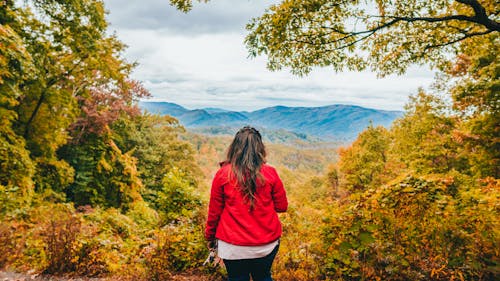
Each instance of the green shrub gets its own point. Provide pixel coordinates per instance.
(144, 216)
(414, 229)
(176, 247)
(7, 243)
(178, 198)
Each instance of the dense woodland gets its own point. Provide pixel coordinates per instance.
(92, 186)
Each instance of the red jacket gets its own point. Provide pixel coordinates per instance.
(230, 218)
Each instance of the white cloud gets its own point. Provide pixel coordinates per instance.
(213, 17)
(209, 67)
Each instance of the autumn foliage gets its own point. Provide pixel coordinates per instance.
(87, 180)
(92, 186)
(426, 214)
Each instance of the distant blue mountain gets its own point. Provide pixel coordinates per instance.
(214, 110)
(340, 122)
(164, 108)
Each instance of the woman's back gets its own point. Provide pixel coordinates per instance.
(241, 223)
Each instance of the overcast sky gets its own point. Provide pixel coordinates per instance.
(199, 60)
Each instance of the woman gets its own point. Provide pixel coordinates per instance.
(242, 219)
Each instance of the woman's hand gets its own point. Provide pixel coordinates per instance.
(211, 244)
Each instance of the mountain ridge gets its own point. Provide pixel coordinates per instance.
(336, 121)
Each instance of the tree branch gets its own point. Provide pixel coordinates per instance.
(432, 19)
(479, 10)
(481, 19)
(50, 83)
(38, 105)
(370, 32)
(468, 35)
(348, 35)
(480, 15)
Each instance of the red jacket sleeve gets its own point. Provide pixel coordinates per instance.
(215, 206)
(279, 195)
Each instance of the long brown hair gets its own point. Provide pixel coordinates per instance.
(246, 154)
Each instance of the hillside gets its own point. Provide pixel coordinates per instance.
(339, 122)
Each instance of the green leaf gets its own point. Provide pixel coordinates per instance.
(366, 238)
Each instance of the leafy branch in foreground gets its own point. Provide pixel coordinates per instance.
(386, 36)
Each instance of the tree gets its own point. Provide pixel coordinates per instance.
(362, 164)
(386, 36)
(475, 89)
(437, 223)
(184, 5)
(154, 141)
(424, 138)
(104, 175)
(63, 75)
(15, 65)
(64, 40)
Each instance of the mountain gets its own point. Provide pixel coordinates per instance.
(197, 117)
(339, 122)
(164, 108)
(214, 110)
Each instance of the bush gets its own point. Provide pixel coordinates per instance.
(178, 198)
(75, 244)
(7, 245)
(14, 202)
(62, 246)
(93, 259)
(144, 216)
(177, 247)
(300, 254)
(415, 229)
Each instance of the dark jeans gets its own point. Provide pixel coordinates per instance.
(260, 269)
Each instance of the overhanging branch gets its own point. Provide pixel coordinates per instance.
(480, 15)
(467, 35)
